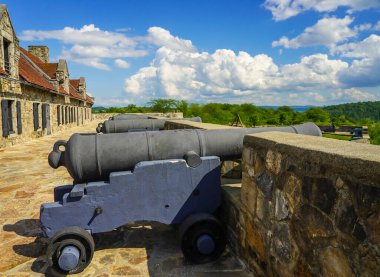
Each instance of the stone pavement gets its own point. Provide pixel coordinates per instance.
(26, 181)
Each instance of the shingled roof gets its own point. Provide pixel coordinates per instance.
(32, 75)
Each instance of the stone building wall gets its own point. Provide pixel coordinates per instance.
(310, 206)
(30, 95)
(7, 33)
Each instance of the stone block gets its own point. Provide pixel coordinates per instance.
(247, 156)
(315, 222)
(281, 244)
(273, 161)
(374, 227)
(249, 194)
(255, 239)
(281, 208)
(320, 192)
(263, 209)
(334, 262)
(265, 184)
(292, 189)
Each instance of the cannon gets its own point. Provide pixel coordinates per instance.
(172, 177)
(92, 157)
(124, 116)
(133, 125)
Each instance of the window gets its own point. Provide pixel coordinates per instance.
(58, 115)
(19, 121)
(6, 112)
(6, 45)
(62, 115)
(36, 121)
(66, 115)
(45, 115)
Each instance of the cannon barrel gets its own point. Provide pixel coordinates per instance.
(92, 157)
(127, 125)
(128, 116)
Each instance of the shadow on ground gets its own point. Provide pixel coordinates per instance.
(162, 255)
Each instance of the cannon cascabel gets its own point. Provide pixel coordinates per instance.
(128, 125)
(92, 157)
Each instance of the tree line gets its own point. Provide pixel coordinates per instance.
(362, 113)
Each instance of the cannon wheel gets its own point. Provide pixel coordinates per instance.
(203, 238)
(72, 236)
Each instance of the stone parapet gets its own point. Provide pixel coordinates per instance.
(310, 206)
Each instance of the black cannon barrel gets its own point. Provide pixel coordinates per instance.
(91, 157)
(128, 125)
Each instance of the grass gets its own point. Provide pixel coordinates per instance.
(340, 137)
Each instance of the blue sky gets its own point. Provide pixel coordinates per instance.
(272, 52)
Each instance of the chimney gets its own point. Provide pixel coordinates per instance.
(82, 86)
(42, 52)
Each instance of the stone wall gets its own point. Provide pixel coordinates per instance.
(8, 34)
(310, 206)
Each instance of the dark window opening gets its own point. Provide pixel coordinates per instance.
(66, 115)
(10, 123)
(44, 115)
(6, 45)
(19, 120)
(6, 112)
(58, 115)
(36, 121)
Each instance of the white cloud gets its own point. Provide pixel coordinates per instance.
(316, 96)
(364, 70)
(182, 72)
(284, 9)
(237, 77)
(113, 101)
(377, 26)
(162, 37)
(89, 45)
(327, 31)
(367, 48)
(363, 27)
(352, 95)
(122, 64)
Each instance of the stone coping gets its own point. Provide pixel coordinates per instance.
(359, 160)
(200, 125)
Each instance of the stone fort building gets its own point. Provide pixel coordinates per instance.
(37, 97)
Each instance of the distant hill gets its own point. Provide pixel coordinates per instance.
(356, 111)
(98, 108)
(296, 108)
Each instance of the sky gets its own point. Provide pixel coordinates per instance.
(270, 52)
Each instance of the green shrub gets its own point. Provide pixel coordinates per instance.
(374, 133)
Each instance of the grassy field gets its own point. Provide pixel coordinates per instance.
(340, 137)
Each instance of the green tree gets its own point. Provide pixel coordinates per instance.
(374, 133)
(318, 115)
(162, 105)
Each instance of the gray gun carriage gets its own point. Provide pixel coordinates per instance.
(172, 177)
